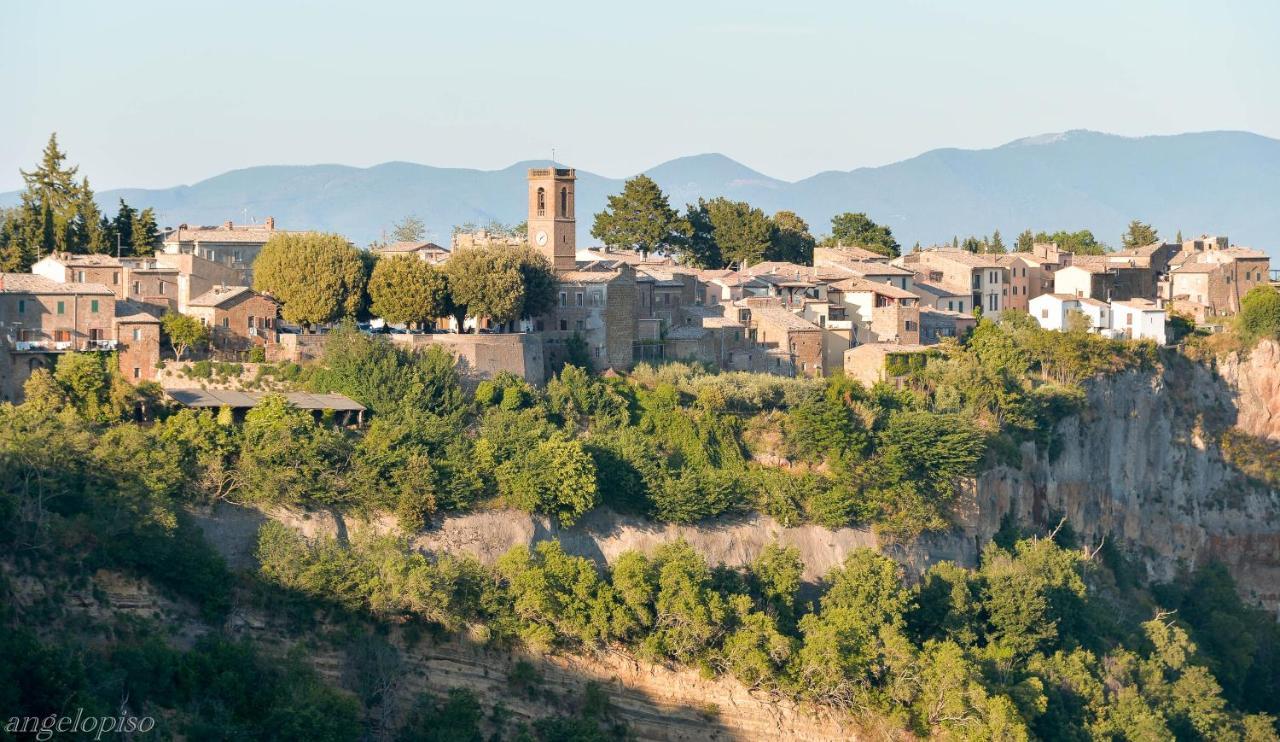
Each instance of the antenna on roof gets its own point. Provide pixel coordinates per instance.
(553, 156)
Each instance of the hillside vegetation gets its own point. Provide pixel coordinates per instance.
(1046, 638)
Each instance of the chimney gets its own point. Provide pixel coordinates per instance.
(226, 225)
(271, 223)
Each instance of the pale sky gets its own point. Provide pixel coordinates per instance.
(154, 94)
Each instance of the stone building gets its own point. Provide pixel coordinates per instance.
(796, 342)
(982, 276)
(1209, 280)
(238, 317)
(64, 267)
(429, 252)
(41, 319)
(891, 363)
(137, 341)
(230, 244)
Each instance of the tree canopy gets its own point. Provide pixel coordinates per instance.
(500, 283)
(1259, 313)
(640, 218)
(184, 332)
(58, 213)
(317, 277)
(791, 240)
(1139, 235)
(858, 230)
(406, 289)
(1081, 243)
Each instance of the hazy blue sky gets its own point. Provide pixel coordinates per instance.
(161, 93)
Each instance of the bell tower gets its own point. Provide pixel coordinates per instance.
(551, 221)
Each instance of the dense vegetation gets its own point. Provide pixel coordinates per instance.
(1040, 640)
(57, 212)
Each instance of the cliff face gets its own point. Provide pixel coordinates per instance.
(1255, 377)
(1143, 465)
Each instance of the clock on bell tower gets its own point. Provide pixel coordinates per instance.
(551, 221)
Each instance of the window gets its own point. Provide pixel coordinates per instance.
(93, 306)
(542, 202)
(1044, 314)
(137, 333)
(251, 322)
(115, 278)
(235, 255)
(564, 299)
(79, 276)
(666, 299)
(161, 287)
(577, 298)
(226, 321)
(137, 287)
(564, 324)
(578, 325)
(597, 298)
(22, 306)
(137, 372)
(950, 308)
(62, 307)
(564, 202)
(911, 326)
(597, 350)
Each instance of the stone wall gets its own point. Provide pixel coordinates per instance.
(482, 355)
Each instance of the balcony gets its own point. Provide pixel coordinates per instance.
(61, 346)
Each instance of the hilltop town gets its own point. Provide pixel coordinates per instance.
(846, 309)
(713, 477)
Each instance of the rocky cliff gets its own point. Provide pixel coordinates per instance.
(1143, 466)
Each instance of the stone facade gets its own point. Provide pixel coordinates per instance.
(232, 245)
(41, 319)
(238, 317)
(551, 221)
(486, 355)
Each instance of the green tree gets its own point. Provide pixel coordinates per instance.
(698, 246)
(92, 384)
(409, 229)
(1259, 313)
(555, 476)
(791, 240)
(286, 458)
(90, 225)
(500, 283)
(144, 233)
(50, 200)
(318, 277)
(456, 718)
(1081, 243)
(640, 218)
(122, 225)
(184, 332)
(996, 244)
(1139, 235)
(742, 233)
(404, 288)
(1026, 241)
(858, 230)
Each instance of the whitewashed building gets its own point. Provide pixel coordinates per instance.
(1138, 319)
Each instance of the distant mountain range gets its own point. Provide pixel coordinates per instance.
(1217, 182)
